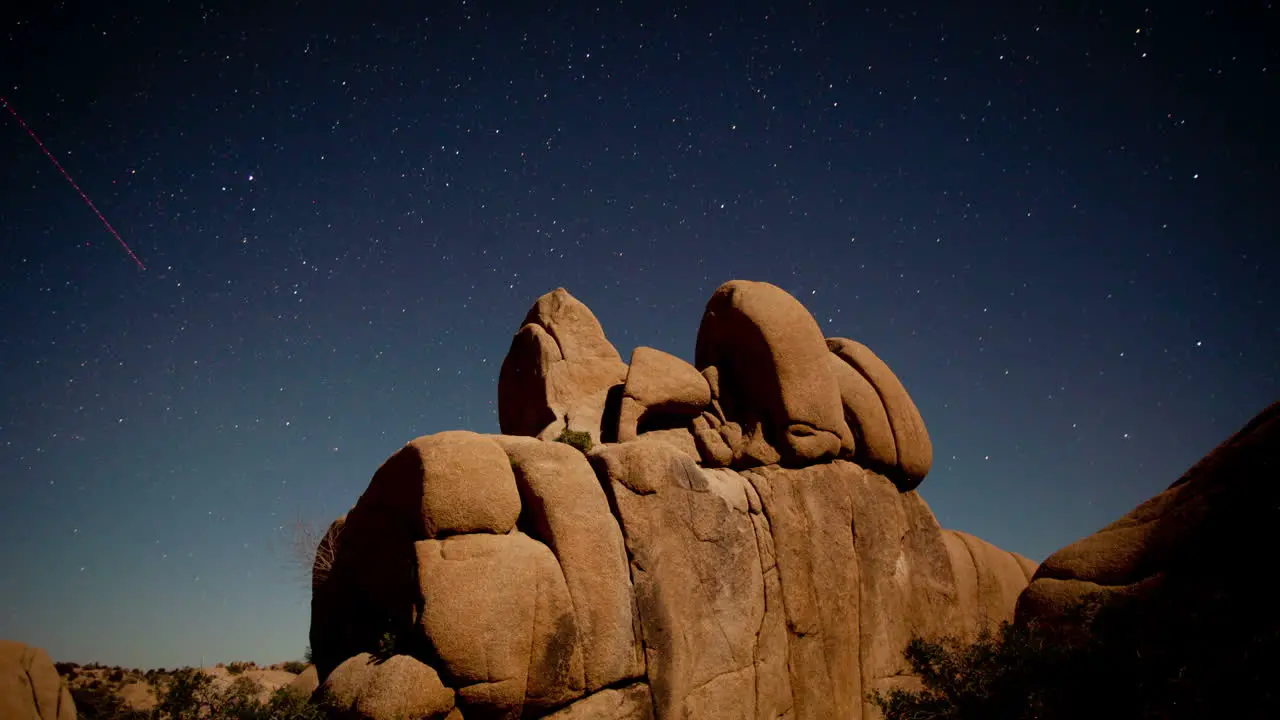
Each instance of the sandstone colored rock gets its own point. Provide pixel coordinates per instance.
(632, 702)
(648, 579)
(710, 444)
(566, 508)
(772, 367)
(1192, 545)
(306, 682)
(558, 359)
(1171, 598)
(587, 414)
(911, 439)
(697, 577)
(874, 445)
(30, 687)
(660, 384)
(498, 615)
(988, 580)
(398, 687)
(445, 484)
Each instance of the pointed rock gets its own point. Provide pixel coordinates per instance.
(558, 359)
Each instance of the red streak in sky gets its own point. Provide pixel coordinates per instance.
(67, 175)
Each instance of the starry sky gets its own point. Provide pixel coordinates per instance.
(1056, 223)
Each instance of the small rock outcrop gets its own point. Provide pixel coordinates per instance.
(30, 687)
(742, 538)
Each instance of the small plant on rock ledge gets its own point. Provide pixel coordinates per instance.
(576, 438)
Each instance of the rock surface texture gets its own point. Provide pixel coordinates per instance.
(30, 687)
(741, 540)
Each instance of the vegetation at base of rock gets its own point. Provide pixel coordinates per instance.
(191, 694)
(387, 645)
(575, 438)
(1101, 661)
(293, 666)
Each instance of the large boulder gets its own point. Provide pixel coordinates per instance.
(368, 688)
(566, 508)
(498, 616)
(697, 575)
(30, 687)
(1202, 535)
(661, 390)
(439, 485)
(773, 370)
(1167, 598)
(306, 682)
(558, 371)
(912, 454)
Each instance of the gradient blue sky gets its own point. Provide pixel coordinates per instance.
(1057, 225)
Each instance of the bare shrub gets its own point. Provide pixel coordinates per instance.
(308, 547)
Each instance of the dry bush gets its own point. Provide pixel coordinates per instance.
(308, 550)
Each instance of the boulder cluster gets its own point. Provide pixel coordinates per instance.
(767, 388)
(741, 539)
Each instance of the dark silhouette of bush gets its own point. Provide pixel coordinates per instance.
(1162, 657)
(293, 666)
(236, 668)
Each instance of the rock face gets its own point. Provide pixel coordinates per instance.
(558, 371)
(1183, 555)
(742, 540)
(30, 687)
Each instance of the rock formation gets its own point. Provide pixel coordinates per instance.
(1182, 564)
(743, 540)
(30, 687)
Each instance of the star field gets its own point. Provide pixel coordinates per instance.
(1057, 225)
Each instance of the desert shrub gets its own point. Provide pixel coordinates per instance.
(102, 703)
(288, 704)
(239, 701)
(308, 656)
(187, 696)
(236, 668)
(65, 667)
(116, 675)
(575, 438)
(293, 666)
(192, 694)
(1161, 659)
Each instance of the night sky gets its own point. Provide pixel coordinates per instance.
(1057, 225)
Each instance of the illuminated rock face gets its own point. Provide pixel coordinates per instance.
(30, 686)
(741, 540)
